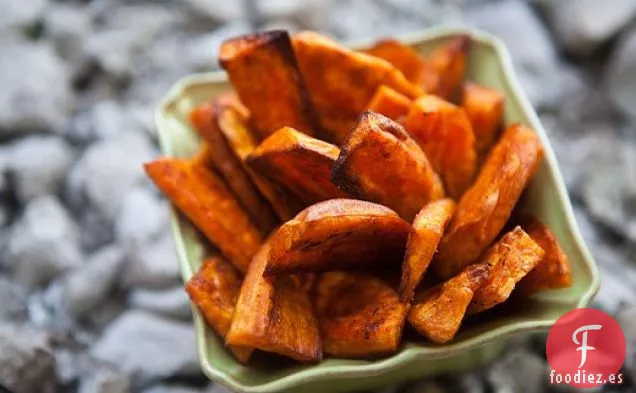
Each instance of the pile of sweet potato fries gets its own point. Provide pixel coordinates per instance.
(327, 173)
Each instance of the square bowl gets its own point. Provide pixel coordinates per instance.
(477, 342)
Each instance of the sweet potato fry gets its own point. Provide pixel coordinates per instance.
(486, 206)
(341, 82)
(202, 196)
(274, 314)
(444, 70)
(444, 133)
(426, 232)
(338, 234)
(217, 151)
(359, 315)
(233, 124)
(214, 289)
(381, 163)
(263, 69)
(553, 272)
(437, 312)
(301, 163)
(484, 107)
(402, 56)
(390, 103)
(510, 259)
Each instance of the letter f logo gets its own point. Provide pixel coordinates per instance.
(583, 344)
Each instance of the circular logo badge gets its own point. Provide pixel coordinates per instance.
(586, 348)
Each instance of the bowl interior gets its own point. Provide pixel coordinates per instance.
(546, 198)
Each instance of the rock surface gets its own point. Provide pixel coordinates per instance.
(43, 243)
(27, 364)
(147, 347)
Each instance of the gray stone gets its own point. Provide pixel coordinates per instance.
(104, 380)
(69, 26)
(38, 165)
(43, 243)
(13, 306)
(128, 30)
(172, 303)
(152, 265)
(618, 275)
(27, 364)
(172, 389)
(582, 25)
(533, 53)
(106, 313)
(217, 10)
(147, 347)
(85, 287)
(620, 80)
(106, 171)
(610, 189)
(626, 317)
(70, 364)
(105, 119)
(35, 84)
(21, 14)
(518, 371)
(311, 14)
(142, 218)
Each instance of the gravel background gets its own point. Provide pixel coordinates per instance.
(90, 299)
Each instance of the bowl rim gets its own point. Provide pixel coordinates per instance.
(410, 354)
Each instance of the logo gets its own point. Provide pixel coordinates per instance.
(586, 348)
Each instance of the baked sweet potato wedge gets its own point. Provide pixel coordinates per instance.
(341, 82)
(302, 163)
(263, 69)
(484, 107)
(426, 232)
(445, 69)
(553, 272)
(486, 206)
(444, 133)
(234, 125)
(390, 103)
(359, 315)
(402, 56)
(214, 289)
(381, 163)
(510, 259)
(203, 197)
(274, 314)
(438, 312)
(217, 151)
(338, 234)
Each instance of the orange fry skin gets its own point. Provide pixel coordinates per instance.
(233, 123)
(426, 232)
(263, 69)
(390, 103)
(274, 314)
(302, 163)
(381, 163)
(445, 69)
(438, 312)
(202, 196)
(553, 272)
(484, 107)
(510, 259)
(342, 82)
(217, 151)
(402, 56)
(485, 207)
(338, 234)
(444, 133)
(214, 289)
(359, 315)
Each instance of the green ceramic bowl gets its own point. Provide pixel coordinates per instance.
(478, 341)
